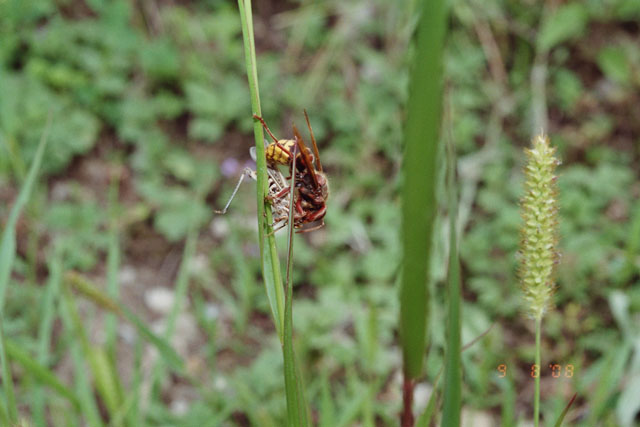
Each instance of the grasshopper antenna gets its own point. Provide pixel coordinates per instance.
(247, 172)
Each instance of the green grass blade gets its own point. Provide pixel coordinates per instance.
(426, 417)
(39, 372)
(90, 291)
(272, 277)
(210, 327)
(614, 367)
(46, 326)
(102, 369)
(7, 378)
(8, 242)
(509, 394)
(424, 420)
(422, 132)
(356, 402)
(269, 260)
(7, 256)
(4, 417)
(453, 366)
(297, 413)
(129, 410)
(182, 281)
(113, 266)
(105, 379)
(88, 404)
(15, 160)
(327, 411)
(294, 412)
(247, 398)
(168, 354)
(180, 295)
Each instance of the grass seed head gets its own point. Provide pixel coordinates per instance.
(539, 235)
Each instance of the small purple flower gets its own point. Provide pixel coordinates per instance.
(230, 167)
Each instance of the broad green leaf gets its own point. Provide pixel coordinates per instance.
(160, 59)
(422, 135)
(614, 63)
(567, 22)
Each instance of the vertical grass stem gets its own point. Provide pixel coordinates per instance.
(271, 271)
(536, 398)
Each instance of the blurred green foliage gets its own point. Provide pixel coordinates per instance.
(161, 88)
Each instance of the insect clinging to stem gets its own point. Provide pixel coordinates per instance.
(310, 188)
(276, 184)
(311, 184)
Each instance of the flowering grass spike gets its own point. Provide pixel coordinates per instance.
(539, 210)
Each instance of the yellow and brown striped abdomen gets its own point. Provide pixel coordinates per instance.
(275, 154)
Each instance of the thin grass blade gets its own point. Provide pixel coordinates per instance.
(88, 404)
(129, 409)
(327, 405)
(7, 256)
(614, 367)
(90, 291)
(4, 417)
(113, 266)
(565, 411)
(168, 354)
(509, 395)
(8, 242)
(182, 281)
(424, 420)
(248, 399)
(106, 379)
(7, 378)
(355, 403)
(180, 295)
(453, 365)
(102, 369)
(297, 413)
(39, 372)
(271, 271)
(52, 293)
